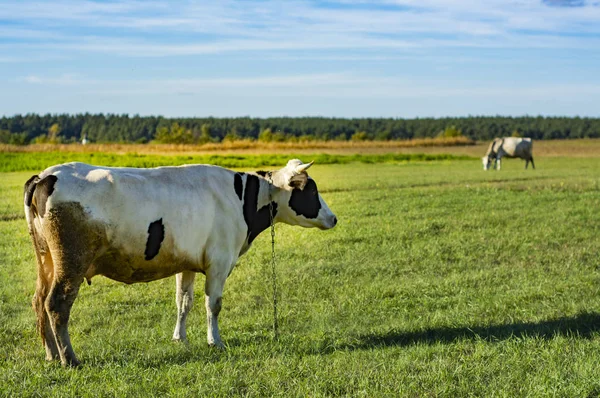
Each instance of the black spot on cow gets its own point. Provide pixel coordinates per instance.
(29, 188)
(262, 221)
(306, 202)
(238, 185)
(262, 173)
(257, 220)
(42, 191)
(250, 199)
(156, 234)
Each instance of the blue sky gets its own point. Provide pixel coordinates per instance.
(342, 58)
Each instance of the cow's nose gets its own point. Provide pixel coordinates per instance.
(334, 221)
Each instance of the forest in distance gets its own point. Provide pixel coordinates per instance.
(111, 128)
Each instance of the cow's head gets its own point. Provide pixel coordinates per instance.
(298, 198)
(487, 161)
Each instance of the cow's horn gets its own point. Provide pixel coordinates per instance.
(303, 167)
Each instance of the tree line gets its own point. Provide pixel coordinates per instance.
(100, 128)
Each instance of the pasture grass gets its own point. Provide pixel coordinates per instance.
(35, 161)
(439, 280)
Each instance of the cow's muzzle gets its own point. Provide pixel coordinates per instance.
(329, 222)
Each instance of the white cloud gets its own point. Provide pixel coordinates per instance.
(327, 85)
(213, 27)
(65, 79)
(33, 79)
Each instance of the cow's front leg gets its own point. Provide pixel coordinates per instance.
(213, 289)
(499, 163)
(184, 297)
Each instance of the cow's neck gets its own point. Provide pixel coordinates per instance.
(256, 206)
(494, 148)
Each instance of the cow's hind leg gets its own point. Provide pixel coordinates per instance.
(184, 297)
(532, 164)
(73, 243)
(58, 305)
(44, 281)
(213, 290)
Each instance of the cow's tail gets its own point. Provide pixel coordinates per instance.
(42, 287)
(28, 191)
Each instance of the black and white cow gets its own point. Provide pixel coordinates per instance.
(140, 225)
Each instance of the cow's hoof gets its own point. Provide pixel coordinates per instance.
(217, 345)
(71, 363)
(180, 340)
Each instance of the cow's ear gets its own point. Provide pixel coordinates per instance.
(298, 181)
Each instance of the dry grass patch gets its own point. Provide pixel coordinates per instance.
(249, 147)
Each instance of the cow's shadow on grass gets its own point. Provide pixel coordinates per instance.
(581, 326)
(584, 325)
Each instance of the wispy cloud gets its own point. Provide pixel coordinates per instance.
(331, 85)
(175, 85)
(65, 79)
(565, 3)
(135, 28)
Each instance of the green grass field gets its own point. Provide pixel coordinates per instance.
(35, 161)
(439, 280)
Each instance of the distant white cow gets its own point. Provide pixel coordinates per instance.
(140, 225)
(509, 147)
